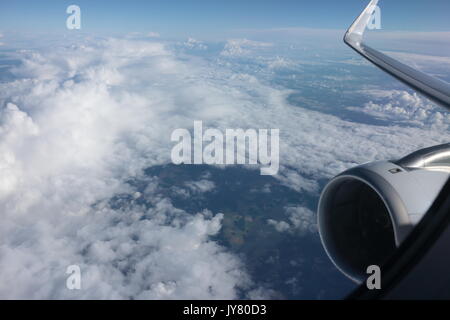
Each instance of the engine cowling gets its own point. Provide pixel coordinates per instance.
(366, 212)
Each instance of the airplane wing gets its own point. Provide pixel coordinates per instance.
(392, 213)
(418, 269)
(431, 87)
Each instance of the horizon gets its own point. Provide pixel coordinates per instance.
(209, 19)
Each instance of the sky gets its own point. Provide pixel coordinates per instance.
(206, 18)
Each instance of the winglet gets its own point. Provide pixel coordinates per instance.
(355, 33)
(433, 88)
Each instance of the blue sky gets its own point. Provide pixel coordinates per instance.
(173, 18)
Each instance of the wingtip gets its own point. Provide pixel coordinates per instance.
(354, 35)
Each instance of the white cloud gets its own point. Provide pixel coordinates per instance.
(192, 43)
(132, 254)
(402, 106)
(239, 47)
(80, 120)
(201, 186)
(280, 226)
(302, 221)
(193, 188)
(82, 127)
(281, 63)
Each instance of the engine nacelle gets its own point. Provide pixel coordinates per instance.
(366, 212)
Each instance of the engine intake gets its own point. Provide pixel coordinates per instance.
(366, 212)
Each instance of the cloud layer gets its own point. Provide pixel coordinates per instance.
(79, 121)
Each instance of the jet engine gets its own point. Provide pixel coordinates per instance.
(366, 212)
